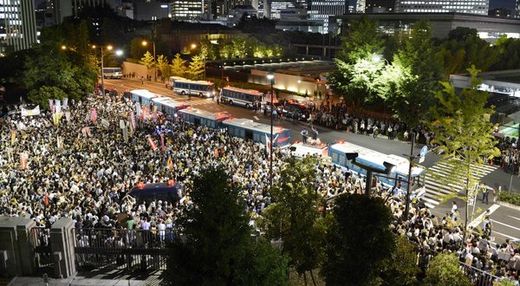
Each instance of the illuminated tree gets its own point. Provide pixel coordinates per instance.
(147, 60)
(164, 67)
(178, 66)
(463, 132)
(197, 67)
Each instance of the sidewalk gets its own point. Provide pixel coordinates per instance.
(80, 281)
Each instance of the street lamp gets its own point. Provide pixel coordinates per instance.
(193, 46)
(388, 169)
(145, 43)
(270, 77)
(101, 50)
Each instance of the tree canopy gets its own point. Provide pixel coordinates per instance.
(217, 247)
(358, 241)
(444, 269)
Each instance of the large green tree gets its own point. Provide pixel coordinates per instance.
(444, 269)
(463, 131)
(417, 68)
(359, 63)
(358, 241)
(163, 67)
(400, 268)
(294, 215)
(148, 61)
(216, 246)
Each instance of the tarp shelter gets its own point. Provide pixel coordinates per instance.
(158, 191)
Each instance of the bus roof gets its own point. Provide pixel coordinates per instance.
(144, 93)
(376, 159)
(302, 149)
(166, 101)
(243, 90)
(250, 124)
(203, 82)
(219, 116)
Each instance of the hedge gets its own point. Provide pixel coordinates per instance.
(510, 197)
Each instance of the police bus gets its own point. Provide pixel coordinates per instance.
(112, 72)
(258, 132)
(200, 88)
(247, 98)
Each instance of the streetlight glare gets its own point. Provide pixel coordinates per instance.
(109, 47)
(119, 53)
(376, 58)
(144, 43)
(94, 46)
(193, 46)
(270, 76)
(63, 47)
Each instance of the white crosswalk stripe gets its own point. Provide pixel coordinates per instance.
(437, 184)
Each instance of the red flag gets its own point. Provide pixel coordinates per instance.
(152, 143)
(93, 114)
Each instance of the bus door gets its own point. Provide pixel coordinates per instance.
(248, 134)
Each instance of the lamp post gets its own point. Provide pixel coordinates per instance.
(101, 49)
(270, 77)
(388, 169)
(145, 43)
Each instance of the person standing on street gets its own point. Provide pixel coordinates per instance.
(485, 194)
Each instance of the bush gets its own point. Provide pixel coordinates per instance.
(509, 197)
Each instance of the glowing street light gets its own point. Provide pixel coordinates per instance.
(270, 77)
(101, 49)
(63, 47)
(193, 46)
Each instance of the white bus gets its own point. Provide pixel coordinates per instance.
(201, 88)
(112, 72)
(247, 98)
(172, 80)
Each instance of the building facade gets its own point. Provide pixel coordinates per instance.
(18, 25)
(379, 6)
(321, 10)
(479, 7)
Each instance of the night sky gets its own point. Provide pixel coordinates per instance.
(509, 4)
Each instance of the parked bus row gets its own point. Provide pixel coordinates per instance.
(237, 127)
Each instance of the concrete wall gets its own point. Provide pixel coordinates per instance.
(16, 252)
(138, 69)
(288, 82)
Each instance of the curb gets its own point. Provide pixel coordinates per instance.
(504, 204)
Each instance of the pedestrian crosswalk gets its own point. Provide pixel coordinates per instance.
(438, 186)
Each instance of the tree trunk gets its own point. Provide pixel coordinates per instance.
(305, 278)
(312, 277)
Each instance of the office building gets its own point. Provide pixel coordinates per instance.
(517, 8)
(479, 7)
(187, 9)
(488, 28)
(321, 10)
(17, 26)
(501, 13)
(360, 6)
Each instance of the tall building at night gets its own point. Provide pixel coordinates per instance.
(479, 7)
(17, 26)
(517, 8)
(323, 9)
(187, 9)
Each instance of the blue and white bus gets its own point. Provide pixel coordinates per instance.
(143, 96)
(168, 106)
(374, 159)
(200, 88)
(171, 81)
(247, 98)
(112, 72)
(258, 132)
(204, 118)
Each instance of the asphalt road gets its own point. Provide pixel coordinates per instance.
(383, 145)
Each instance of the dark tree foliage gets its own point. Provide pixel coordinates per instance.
(358, 241)
(216, 247)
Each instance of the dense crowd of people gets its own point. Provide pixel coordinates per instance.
(81, 162)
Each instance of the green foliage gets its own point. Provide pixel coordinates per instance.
(178, 66)
(147, 60)
(68, 71)
(217, 248)
(504, 282)
(463, 130)
(509, 54)
(444, 269)
(240, 48)
(400, 269)
(197, 67)
(294, 216)
(358, 241)
(163, 67)
(509, 197)
(363, 40)
(42, 95)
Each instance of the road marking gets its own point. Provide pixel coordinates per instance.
(513, 217)
(504, 235)
(505, 224)
(256, 118)
(481, 217)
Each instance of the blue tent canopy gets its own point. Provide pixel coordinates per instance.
(158, 191)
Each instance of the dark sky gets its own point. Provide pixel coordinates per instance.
(509, 4)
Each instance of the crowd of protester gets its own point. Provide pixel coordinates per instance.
(83, 162)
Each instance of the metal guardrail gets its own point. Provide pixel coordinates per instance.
(479, 277)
